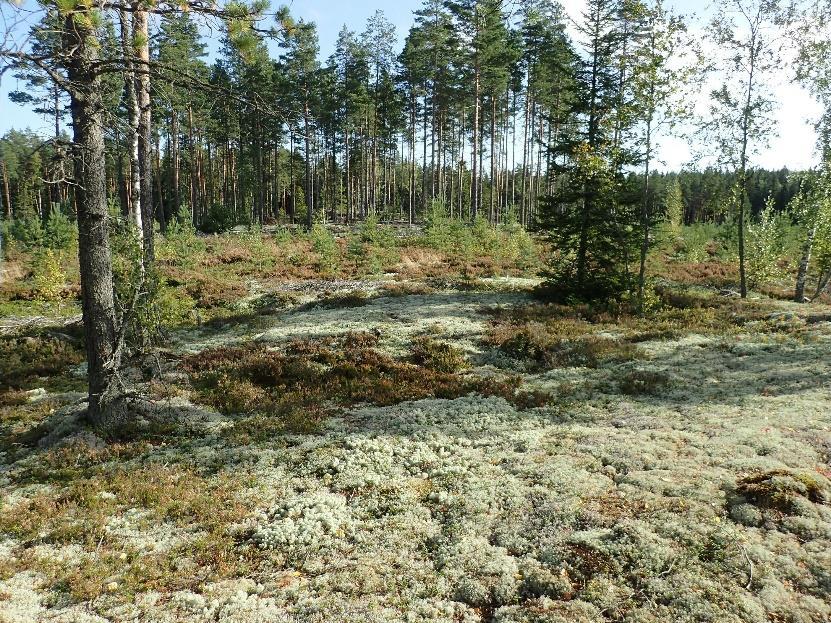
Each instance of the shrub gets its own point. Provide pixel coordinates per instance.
(344, 301)
(49, 278)
(781, 489)
(60, 232)
(180, 246)
(23, 359)
(443, 233)
(560, 343)
(346, 370)
(485, 237)
(372, 234)
(364, 255)
(326, 248)
(406, 288)
(516, 245)
(439, 356)
(639, 382)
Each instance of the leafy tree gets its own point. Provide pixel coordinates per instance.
(656, 84)
(745, 33)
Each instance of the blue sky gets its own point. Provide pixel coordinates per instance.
(793, 147)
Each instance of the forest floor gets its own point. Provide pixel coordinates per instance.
(420, 448)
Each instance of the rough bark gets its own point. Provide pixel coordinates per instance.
(100, 330)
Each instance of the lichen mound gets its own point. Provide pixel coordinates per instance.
(305, 520)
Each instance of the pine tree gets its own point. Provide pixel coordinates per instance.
(594, 212)
(302, 69)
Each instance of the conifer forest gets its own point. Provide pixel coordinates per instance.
(465, 311)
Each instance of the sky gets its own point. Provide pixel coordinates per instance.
(792, 147)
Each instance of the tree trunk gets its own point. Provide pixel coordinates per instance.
(822, 283)
(474, 181)
(174, 164)
(100, 332)
(6, 191)
(805, 260)
(161, 213)
(134, 211)
(493, 161)
(309, 188)
(141, 39)
(645, 213)
(346, 165)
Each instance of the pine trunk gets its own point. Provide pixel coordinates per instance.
(94, 257)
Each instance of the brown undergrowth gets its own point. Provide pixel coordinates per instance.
(296, 384)
(553, 335)
(78, 515)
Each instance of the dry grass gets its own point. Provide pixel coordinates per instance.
(78, 515)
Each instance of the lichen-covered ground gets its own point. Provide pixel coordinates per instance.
(667, 471)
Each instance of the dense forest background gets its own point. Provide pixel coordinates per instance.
(29, 165)
(480, 111)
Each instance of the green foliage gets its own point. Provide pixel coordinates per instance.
(6, 239)
(516, 245)
(364, 251)
(262, 254)
(764, 247)
(372, 234)
(48, 278)
(180, 245)
(27, 231)
(145, 303)
(454, 237)
(443, 233)
(674, 205)
(326, 247)
(219, 219)
(592, 227)
(59, 232)
(695, 241)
